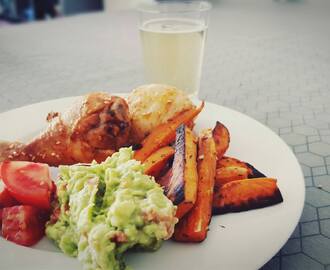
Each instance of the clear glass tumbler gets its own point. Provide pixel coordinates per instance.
(173, 37)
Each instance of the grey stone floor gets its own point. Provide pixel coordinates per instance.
(268, 59)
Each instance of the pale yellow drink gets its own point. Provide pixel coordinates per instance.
(173, 52)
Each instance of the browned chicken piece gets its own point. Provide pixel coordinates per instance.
(93, 129)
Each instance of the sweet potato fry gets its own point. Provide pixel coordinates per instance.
(182, 187)
(164, 134)
(194, 225)
(231, 169)
(253, 172)
(180, 182)
(228, 174)
(154, 164)
(221, 138)
(230, 162)
(246, 194)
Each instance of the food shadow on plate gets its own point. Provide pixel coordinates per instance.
(46, 245)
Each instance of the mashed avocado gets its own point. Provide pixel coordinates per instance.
(108, 208)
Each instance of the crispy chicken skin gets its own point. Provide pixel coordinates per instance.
(93, 129)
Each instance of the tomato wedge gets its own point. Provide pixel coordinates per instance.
(28, 182)
(6, 199)
(23, 224)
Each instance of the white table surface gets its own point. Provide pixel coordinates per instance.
(268, 59)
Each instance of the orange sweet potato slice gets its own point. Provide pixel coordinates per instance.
(194, 225)
(228, 174)
(231, 169)
(246, 194)
(221, 138)
(155, 163)
(164, 134)
(230, 161)
(180, 183)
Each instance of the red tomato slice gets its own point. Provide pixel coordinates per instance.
(28, 182)
(23, 224)
(0, 217)
(6, 199)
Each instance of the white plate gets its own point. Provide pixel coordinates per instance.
(239, 241)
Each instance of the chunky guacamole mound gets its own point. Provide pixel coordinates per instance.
(108, 208)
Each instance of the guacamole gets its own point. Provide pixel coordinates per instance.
(108, 208)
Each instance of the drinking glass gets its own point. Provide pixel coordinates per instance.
(173, 37)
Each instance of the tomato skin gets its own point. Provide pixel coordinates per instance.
(1, 217)
(6, 200)
(29, 183)
(23, 224)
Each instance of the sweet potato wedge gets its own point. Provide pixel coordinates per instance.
(230, 161)
(253, 172)
(221, 138)
(228, 174)
(164, 134)
(231, 169)
(155, 163)
(193, 226)
(182, 186)
(246, 194)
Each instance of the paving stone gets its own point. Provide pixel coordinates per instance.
(327, 160)
(309, 182)
(315, 123)
(294, 139)
(297, 122)
(308, 214)
(323, 182)
(300, 262)
(296, 232)
(271, 106)
(256, 115)
(307, 171)
(324, 212)
(278, 122)
(325, 227)
(273, 264)
(291, 246)
(305, 130)
(326, 139)
(316, 171)
(300, 148)
(325, 131)
(318, 247)
(288, 114)
(285, 130)
(317, 197)
(320, 148)
(310, 228)
(308, 116)
(310, 159)
(275, 129)
(313, 139)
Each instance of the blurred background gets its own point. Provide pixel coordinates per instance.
(20, 11)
